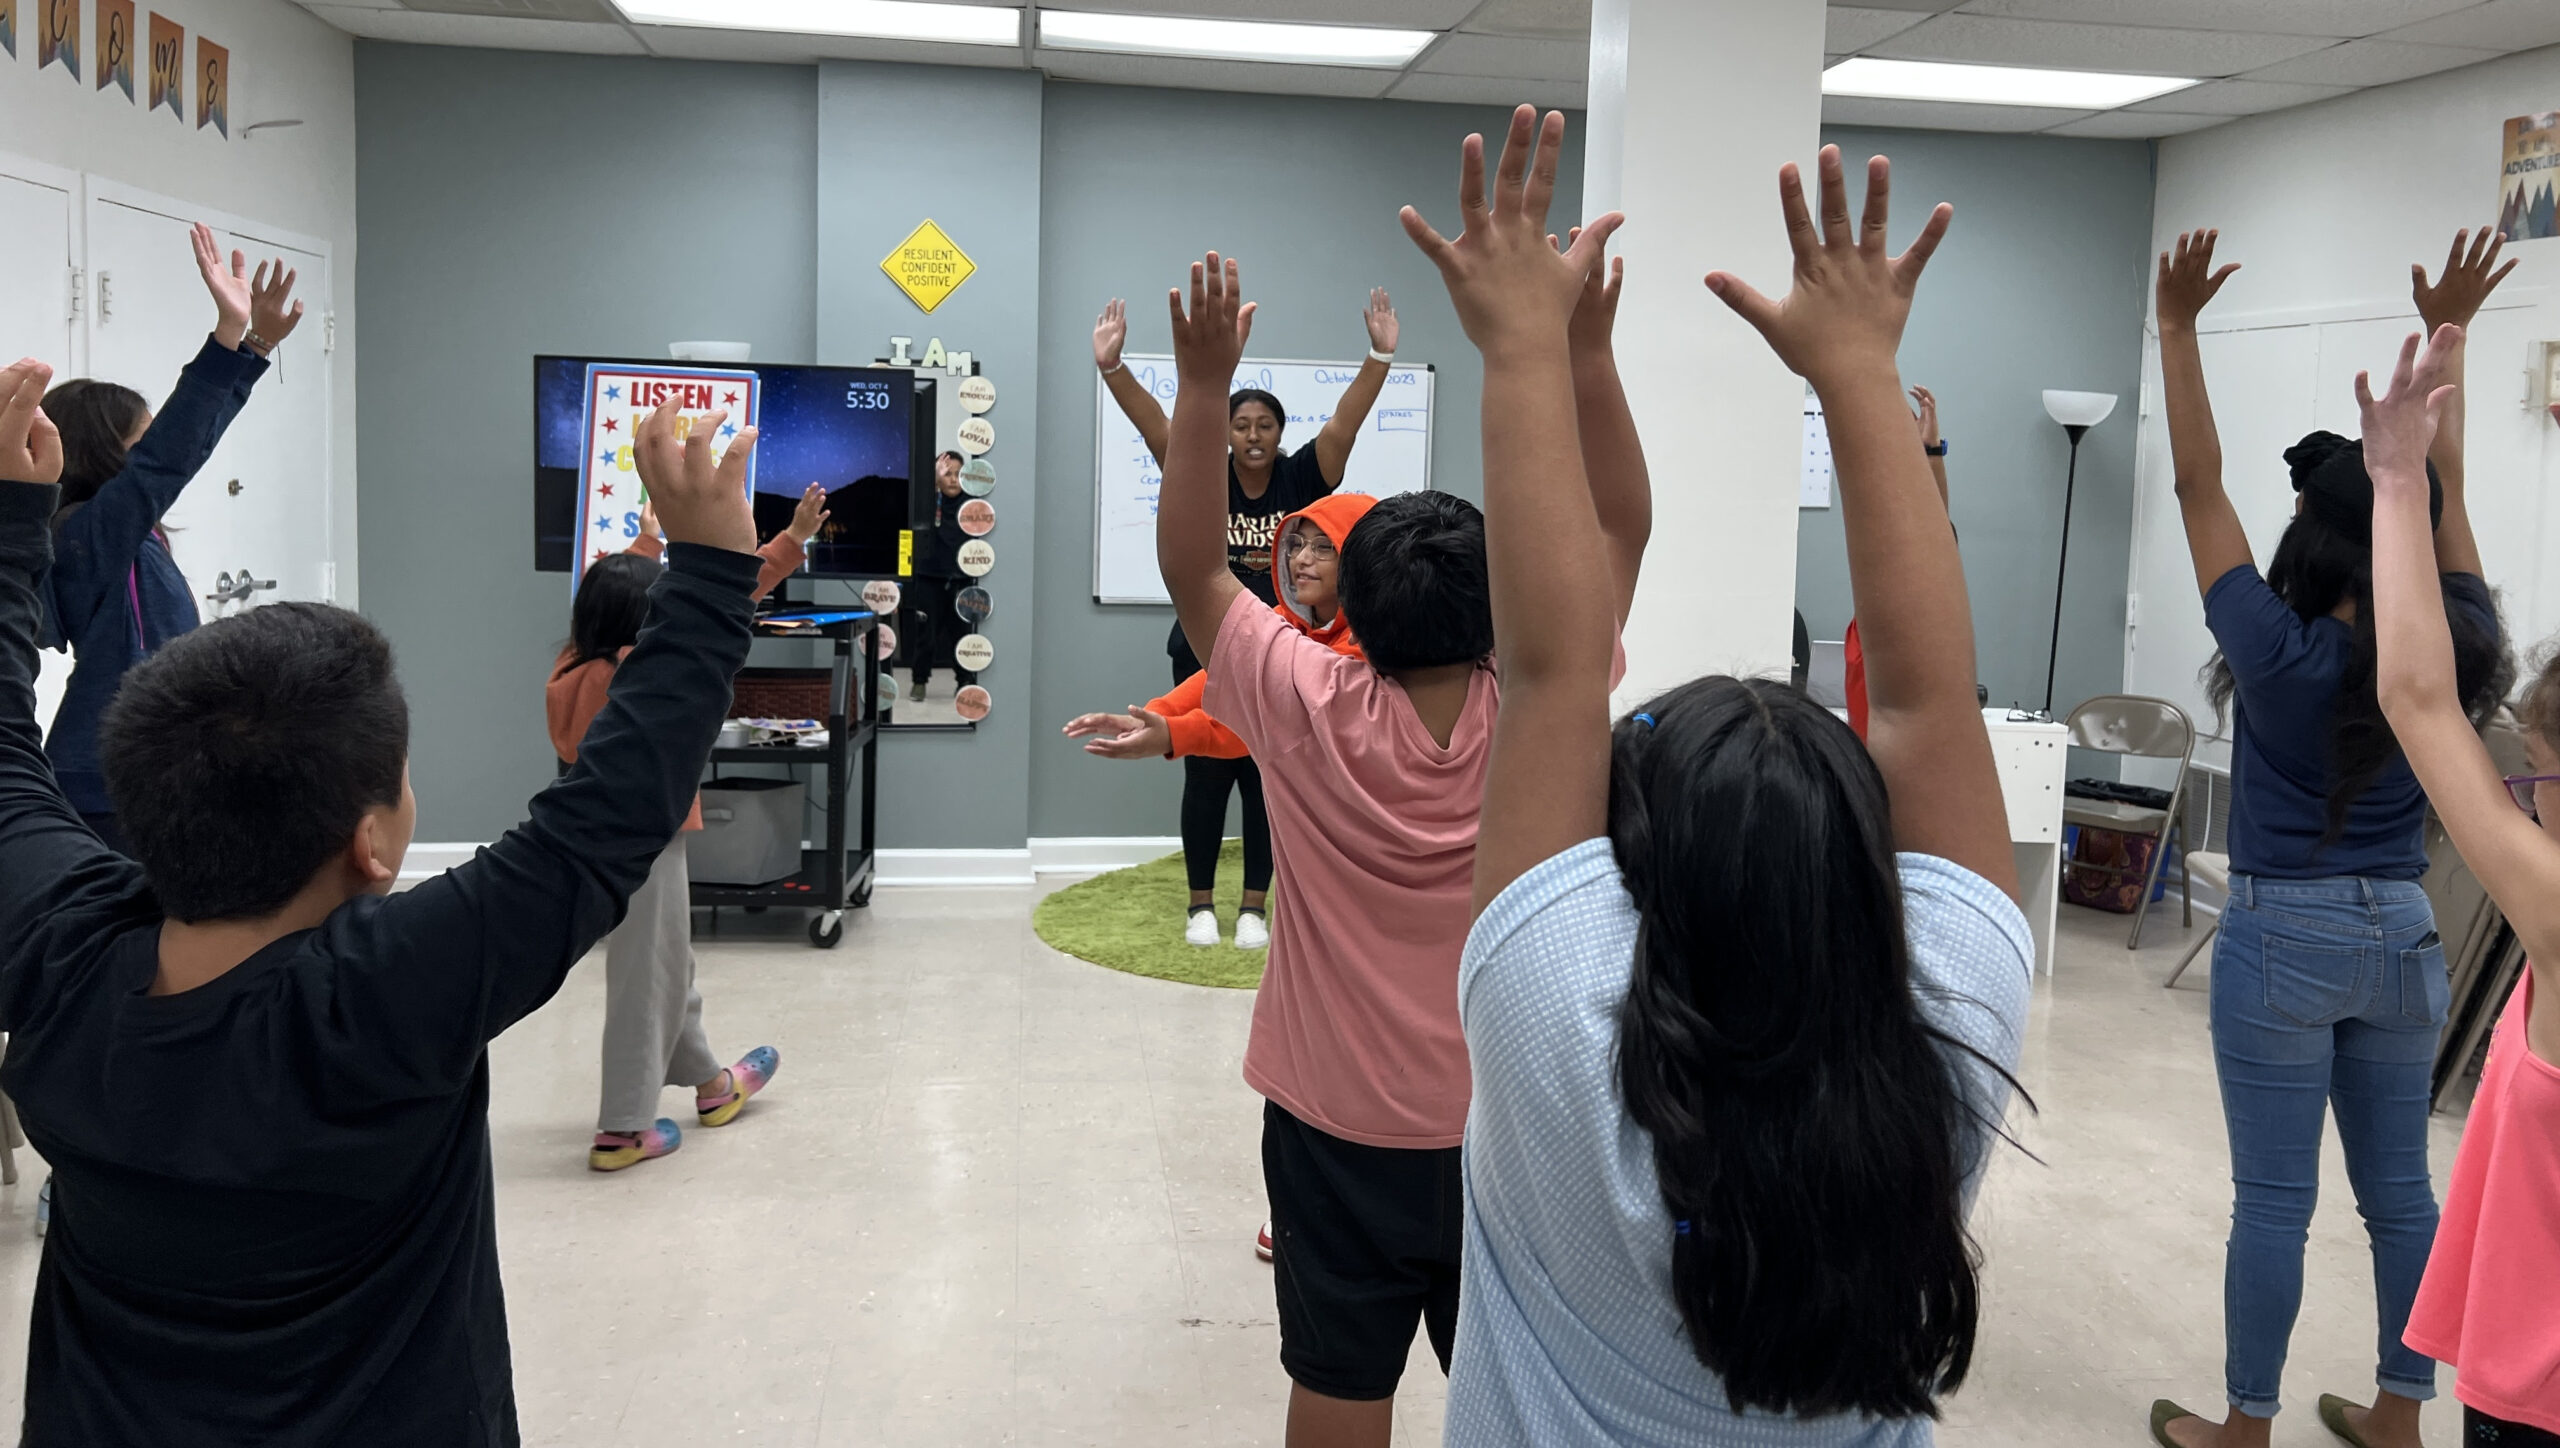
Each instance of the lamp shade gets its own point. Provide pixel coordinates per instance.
(2078, 409)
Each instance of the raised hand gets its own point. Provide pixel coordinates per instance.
(1595, 312)
(1138, 734)
(1209, 341)
(2466, 281)
(273, 313)
(699, 501)
(1380, 315)
(2401, 425)
(1110, 333)
(809, 516)
(1924, 411)
(1510, 287)
(232, 293)
(30, 449)
(2188, 280)
(649, 520)
(1845, 310)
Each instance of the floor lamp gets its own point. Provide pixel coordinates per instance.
(2077, 412)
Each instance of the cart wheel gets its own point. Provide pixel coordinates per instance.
(826, 928)
(862, 896)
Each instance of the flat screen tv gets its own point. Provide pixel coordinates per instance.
(866, 433)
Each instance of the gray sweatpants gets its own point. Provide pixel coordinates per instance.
(652, 1014)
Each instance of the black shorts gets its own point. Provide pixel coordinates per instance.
(2479, 1430)
(1365, 1243)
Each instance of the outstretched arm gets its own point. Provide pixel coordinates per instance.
(1924, 411)
(1547, 787)
(1110, 333)
(2215, 540)
(2414, 673)
(1838, 328)
(1612, 453)
(47, 856)
(2470, 274)
(1191, 508)
(1333, 445)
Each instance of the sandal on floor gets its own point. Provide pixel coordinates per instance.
(752, 1073)
(614, 1150)
(2333, 1416)
(2163, 1413)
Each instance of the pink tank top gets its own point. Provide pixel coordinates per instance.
(2490, 1304)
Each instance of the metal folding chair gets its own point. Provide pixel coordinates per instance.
(2142, 728)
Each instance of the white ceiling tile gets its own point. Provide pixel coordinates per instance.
(1393, 14)
(691, 42)
(2135, 125)
(2508, 25)
(1939, 115)
(2369, 62)
(1553, 19)
(318, 8)
(1501, 55)
(2336, 18)
(600, 12)
(1925, 7)
(2238, 98)
(495, 32)
(1848, 28)
(1489, 91)
(1988, 40)
(1221, 75)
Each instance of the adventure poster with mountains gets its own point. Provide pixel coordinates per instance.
(2527, 173)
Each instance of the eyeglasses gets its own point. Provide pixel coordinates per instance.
(2520, 788)
(1318, 549)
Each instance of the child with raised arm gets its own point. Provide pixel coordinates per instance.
(2329, 985)
(262, 1080)
(1742, 996)
(2486, 1304)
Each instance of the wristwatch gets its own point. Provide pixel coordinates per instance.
(1936, 452)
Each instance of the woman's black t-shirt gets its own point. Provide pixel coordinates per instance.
(1253, 529)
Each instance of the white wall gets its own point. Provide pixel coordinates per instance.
(285, 63)
(2325, 207)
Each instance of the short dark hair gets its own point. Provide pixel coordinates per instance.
(611, 605)
(1413, 582)
(95, 418)
(948, 453)
(243, 755)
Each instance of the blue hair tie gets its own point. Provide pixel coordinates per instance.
(1647, 721)
(1681, 1227)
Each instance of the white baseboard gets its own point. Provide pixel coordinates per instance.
(1072, 855)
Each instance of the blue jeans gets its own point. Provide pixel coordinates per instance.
(2326, 993)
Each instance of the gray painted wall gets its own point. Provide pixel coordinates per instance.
(2041, 283)
(514, 203)
(1305, 192)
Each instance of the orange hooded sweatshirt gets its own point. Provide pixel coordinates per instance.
(574, 697)
(1191, 728)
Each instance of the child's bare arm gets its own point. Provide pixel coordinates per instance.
(1191, 507)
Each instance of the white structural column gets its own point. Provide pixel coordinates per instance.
(1694, 105)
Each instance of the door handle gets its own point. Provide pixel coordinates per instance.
(228, 589)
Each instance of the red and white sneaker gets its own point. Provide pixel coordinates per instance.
(1262, 1242)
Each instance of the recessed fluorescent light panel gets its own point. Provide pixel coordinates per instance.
(869, 19)
(1926, 80)
(1231, 39)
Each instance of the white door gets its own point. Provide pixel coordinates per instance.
(259, 507)
(39, 216)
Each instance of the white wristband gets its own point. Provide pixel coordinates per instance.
(1114, 367)
(1377, 356)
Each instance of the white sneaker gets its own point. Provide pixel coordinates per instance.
(1202, 929)
(1251, 933)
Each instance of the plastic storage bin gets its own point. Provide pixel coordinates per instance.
(750, 832)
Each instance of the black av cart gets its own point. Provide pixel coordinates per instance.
(836, 877)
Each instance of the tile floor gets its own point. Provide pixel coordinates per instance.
(1001, 1196)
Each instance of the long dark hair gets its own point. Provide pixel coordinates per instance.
(2326, 557)
(95, 418)
(613, 600)
(1809, 1129)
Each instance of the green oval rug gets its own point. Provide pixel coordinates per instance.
(1132, 919)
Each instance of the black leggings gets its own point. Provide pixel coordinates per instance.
(1204, 820)
(2479, 1430)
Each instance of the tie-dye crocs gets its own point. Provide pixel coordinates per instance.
(614, 1150)
(754, 1071)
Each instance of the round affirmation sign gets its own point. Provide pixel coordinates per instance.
(880, 596)
(977, 556)
(976, 436)
(972, 702)
(977, 394)
(973, 604)
(973, 652)
(977, 517)
(977, 477)
(885, 643)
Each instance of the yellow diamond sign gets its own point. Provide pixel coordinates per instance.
(928, 266)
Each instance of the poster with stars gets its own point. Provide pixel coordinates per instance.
(619, 397)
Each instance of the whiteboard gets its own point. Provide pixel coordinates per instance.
(1393, 454)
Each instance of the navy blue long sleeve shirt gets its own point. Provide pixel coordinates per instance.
(273, 1218)
(115, 592)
